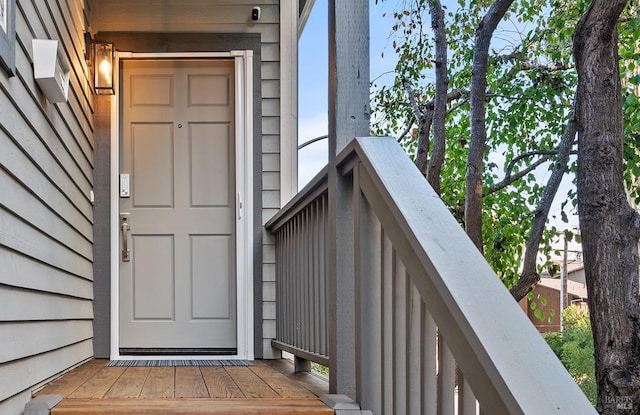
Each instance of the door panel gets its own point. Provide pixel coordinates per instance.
(211, 252)
(153, 277)
(152, 156)
(178, 291)
(210, 146)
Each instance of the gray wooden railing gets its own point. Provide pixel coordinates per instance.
(435, 330)
(301, 268)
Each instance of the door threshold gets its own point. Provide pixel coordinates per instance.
(166, 351)
(174, 357)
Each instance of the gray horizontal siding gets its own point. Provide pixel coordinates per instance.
(46, 217)
(22, 339)
(22, 271)
(33, 370)
(184, 16)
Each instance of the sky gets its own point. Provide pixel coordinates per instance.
(312, 73)
(313, 89)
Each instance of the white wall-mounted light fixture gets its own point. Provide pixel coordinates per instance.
(50, 69)
(103, 54)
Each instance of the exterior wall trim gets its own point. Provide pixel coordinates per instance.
(288, 100)
(244, 185)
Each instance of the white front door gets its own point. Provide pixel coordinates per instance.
(177, 276)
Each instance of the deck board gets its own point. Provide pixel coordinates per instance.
(191, 407)
(220, 384)
(159, 384)
(98, 385)
(315, 383)
(190, 384)
(71, 381)
(267, 387)
(129, 384)
(280, 383)
(250, 383)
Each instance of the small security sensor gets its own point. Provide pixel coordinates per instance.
(255, 13)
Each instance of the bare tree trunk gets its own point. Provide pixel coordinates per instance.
(440, 99)
(609, 226)
(473, 190)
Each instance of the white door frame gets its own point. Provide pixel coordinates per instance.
(244, 199)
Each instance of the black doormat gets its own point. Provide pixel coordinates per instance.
(179, 362)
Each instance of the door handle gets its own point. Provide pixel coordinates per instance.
(126, 255)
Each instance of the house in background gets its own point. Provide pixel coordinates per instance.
(160, 220)
(542, 306)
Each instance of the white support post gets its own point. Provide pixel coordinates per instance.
(288, 100)
(348, 118)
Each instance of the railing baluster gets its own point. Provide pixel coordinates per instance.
(387, 326)
(313, 264)
(298, 290)
(466, 399)
(281, 279)
(370, 319)
(414, 357)
(322, 273)
(399, 335)
(305, 294)
(429, 363)
(446, 378)
(289, 284)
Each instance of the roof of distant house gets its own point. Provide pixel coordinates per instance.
(574, 288)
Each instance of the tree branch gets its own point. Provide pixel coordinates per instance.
(529, 276)
(405, 132)
(509, 178)
(424, 127)
(417, 113)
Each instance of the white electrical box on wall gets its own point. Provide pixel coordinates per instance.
(50, 69)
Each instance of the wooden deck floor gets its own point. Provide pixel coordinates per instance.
(264, 388)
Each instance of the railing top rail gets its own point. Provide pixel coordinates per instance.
(316, 187)
(505, 360)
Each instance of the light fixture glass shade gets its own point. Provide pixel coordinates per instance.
(103, 68)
